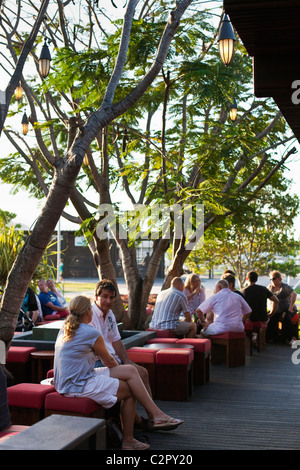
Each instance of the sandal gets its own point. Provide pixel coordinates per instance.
(138, 445)
(166, 424)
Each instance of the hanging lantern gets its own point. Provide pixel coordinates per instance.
(233, 110)
(44, 60)
(25, 124)
(226, 41)
(18, 92)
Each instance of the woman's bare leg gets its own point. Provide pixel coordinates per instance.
(130, 375)
(127, 411)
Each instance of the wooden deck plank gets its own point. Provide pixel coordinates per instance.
(245, 408)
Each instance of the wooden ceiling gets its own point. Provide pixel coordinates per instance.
(270, 32)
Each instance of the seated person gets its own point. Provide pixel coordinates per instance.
(29, 306)
(230, 278)
(49, 301)
(230, 311)
(170, 303)
(285, 311)
(75, 376)
(194, 292)
(105, 322)
(56, 290)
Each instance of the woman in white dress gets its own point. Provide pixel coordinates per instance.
(76, 346)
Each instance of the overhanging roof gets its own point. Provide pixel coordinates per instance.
(270, 32)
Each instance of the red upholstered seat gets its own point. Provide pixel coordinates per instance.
(19, 363)
(229, 335)
(19, 354)
(229, 347)
(145, 357)
(200, 345)
(139, 354)
(201, 364)
(162, 340)
(250, 325)
(174, 374)
(11, 431)
(174, 356)
(53, 317)
(28, 395)
(59, 403)
(163, 333)
(26, 402)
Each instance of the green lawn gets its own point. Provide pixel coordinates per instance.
(77, 286)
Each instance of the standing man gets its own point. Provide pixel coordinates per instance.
(170, 303)
(230, 311)
(257, 296)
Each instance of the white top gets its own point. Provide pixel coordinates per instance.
(196, 299)
(106, 326)
(228, 308)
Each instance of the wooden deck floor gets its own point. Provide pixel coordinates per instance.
(255, 407)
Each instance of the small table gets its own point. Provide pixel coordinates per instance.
(42, 361)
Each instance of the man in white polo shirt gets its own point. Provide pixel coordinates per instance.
(170, 303)
(230, 311)
(105, 322)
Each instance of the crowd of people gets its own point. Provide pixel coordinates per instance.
(185, 305)
(91, 360)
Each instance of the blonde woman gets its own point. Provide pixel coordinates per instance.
(194, 292)
(74, 374)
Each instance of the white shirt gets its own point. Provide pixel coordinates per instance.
(228, 308)
(106, 326)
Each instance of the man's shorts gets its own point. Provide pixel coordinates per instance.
(183, 328)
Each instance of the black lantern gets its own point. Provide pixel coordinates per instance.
(44, 60)
(233, 110)
(226, 41)
(25, 124)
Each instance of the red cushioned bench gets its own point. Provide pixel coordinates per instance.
(26, 402)
(11, 431)
(259, 328)
(19, 363)
(228, 347)
(174, 374)
(58, 404)
(146, 359)
(162, 340)
(201, 363)
(163, 333)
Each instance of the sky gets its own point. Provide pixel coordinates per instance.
(27, 209)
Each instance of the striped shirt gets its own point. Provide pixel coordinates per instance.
(169, 305)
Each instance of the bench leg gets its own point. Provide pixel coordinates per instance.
(201, 366)
(218, 352)
(173, 382)
(236, 352)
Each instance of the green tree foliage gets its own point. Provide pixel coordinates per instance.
(260, 239)
(174, 145)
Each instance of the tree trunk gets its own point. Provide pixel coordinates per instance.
(33, 249)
